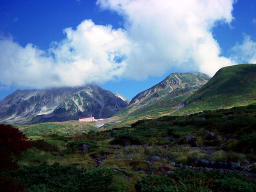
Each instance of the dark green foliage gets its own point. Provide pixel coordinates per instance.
(12, 142)
(10, 184)
(125, 140)
(43, 145)
(246, 144)
(75, 145)
(234, 184)
(188, 181)
(154, 184)
(56, 178)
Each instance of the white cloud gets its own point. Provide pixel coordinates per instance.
(158, 35)
(87, 54)
(245, 52)
(172, 33)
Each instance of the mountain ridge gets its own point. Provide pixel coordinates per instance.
(36, 105)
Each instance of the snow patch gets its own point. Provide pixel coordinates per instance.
(121, 97)
(45, 110)
(80, 107)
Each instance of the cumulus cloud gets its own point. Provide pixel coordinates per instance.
(172, 33)
(158, 35)
(90, 53)
(245, 52)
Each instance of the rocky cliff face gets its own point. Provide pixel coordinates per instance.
(170, 86)
(165, 97)
(59, 104)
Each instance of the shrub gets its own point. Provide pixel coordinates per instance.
(154, 184)
(10, 184)
(125, 140)
(43, 145)
(12, 141)
(234, 184)
(55, 177)
(75, 145)
(188, 181)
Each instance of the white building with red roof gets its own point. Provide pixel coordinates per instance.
(87, 119)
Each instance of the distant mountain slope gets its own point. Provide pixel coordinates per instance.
(230, 86)
(166, 95)
(59, 104)
(122, 97)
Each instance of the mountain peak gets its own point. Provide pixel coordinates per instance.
(59, 104)
(169, 84)
(122, 97)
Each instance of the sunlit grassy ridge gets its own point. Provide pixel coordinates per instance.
(231, 86)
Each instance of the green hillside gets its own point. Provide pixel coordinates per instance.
(230, 86)
(212, 151)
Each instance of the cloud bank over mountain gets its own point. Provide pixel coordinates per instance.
(158, 35)
(90, 53)
(176, 33)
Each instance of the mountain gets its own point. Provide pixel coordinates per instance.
(122, 97)
(230, 86)
(165, 96)
(59, 104)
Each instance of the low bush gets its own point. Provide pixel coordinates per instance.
(188, 181)
(43, 145)
(12, 142)
(125, 140)
(57, 178)
(74, 146)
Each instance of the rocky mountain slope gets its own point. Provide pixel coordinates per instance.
(166, 95)
(230, 86)
(59, 104)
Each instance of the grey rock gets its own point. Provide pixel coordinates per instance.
(170, 157)
(169, 87)
(171, 139)
(191, 140)
(210, 135)
(153, 158)
(83, 147)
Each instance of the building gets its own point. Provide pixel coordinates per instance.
(87, 119)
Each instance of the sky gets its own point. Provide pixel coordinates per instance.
(124, 46)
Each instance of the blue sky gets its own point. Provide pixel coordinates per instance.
(150, 46)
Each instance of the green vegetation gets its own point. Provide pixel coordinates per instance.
(231, 86)
(187, 180)
(171, 153)
(56, 178)
(60, 128)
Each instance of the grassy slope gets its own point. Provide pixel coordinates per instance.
(60, 128)
(234, 141)
(231, 86)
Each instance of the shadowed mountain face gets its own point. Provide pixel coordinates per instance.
(230, 86)
(165, 96)
(59, 104)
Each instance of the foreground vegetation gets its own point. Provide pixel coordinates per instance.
(207, 151)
